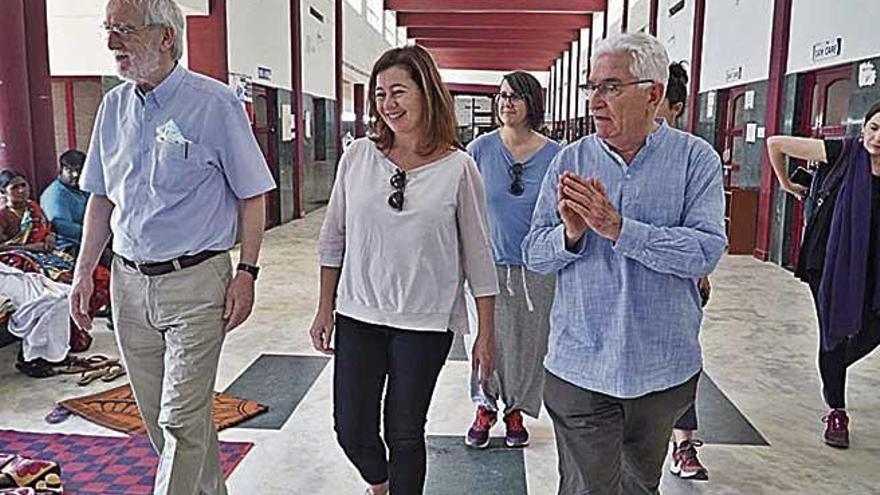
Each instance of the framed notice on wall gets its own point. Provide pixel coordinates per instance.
(242, 86)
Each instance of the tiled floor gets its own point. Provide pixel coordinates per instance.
(760, 350)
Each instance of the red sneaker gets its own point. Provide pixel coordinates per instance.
(685, 463)
(516, 435)
(837, 429)
(478, 435)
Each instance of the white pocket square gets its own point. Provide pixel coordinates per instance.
(169, 132)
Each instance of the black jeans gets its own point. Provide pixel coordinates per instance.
(366, 355)
(688, 420)
(834, 363)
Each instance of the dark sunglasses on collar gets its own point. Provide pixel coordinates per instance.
(398, 182)
(516, 187)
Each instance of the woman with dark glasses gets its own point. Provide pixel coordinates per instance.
(513, 161)
(405, 229)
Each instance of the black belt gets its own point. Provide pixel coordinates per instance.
(164, 267)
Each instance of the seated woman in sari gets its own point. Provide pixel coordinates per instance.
(26, 238)
(28, 243)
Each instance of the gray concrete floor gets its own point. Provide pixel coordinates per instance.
(759, 339)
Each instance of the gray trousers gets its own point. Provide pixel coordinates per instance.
(170, 330)
(611, 446)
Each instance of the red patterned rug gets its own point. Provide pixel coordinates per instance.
(92, 465)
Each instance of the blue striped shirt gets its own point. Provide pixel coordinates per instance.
(626, 315)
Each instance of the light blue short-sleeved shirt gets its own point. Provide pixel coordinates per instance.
(509, 215)
(175, 193)
(626, 315)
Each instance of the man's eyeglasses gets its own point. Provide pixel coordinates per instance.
(398, 182)
(123, 30)
(516, 187)
(511, 97)
(608, 89)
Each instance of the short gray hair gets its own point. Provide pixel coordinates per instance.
(648, 58)
(164, 13)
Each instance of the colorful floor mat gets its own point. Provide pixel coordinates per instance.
(93, 465)
(117, 410)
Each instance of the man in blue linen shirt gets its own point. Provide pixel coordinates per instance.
(629, 218)
(64, 203)
(175, 172)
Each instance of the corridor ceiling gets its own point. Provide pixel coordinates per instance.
(495, 34)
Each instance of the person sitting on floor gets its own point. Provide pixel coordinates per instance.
(36, 312)
(27, 241)
(64, 202)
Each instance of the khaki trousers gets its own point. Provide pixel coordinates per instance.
(170, 330)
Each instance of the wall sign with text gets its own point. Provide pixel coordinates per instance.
(827, 49)
(264, 73)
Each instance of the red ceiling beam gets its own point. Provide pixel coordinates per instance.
(480, 52)
(580, 6)
(499, 65)
(518, 22)
(472, 89)
(507, 60)
(536, 44)
(564, 35)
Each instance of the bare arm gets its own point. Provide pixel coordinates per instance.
(252, 212)
(321, 331)
(96, 232)
(327, 291)
(484, 346)
(778, 147)
(240, 293)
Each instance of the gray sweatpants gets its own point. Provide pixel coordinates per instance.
(170, 331)
(611, 446)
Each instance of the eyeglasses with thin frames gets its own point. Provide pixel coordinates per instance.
(511, 97)
(608, 89)
(516, 187)
(398, 182)
(123, 30)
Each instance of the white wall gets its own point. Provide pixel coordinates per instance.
(362, 44)
(319, 49)
(815, 21)
(76, 47)
(615, 15)
(639, 16)
(676, 32)
(194, 7)
(736, 35)
(582, 77)
(258, 34)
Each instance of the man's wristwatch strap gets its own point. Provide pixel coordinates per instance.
(253, 270)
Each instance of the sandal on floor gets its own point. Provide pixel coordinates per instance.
(73, 365)
(89, 376)
(36, 368)
(114, 371)
(57, 415)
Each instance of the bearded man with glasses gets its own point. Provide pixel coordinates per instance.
(628, 219)
(174, 172)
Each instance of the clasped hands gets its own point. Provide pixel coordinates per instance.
(584, 204)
